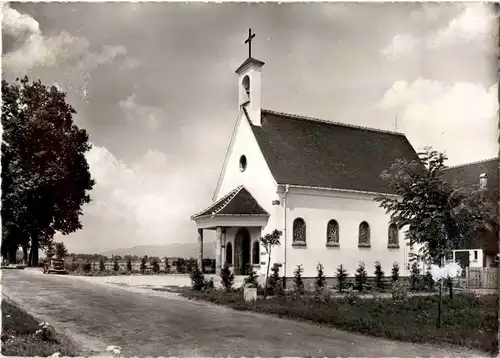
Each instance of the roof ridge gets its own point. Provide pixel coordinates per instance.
(471, 163)
(319, 120)
(230, 197)
(218, 201)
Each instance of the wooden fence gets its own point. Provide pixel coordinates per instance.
(482, 277)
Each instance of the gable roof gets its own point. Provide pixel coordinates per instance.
(311, 152)
(469, 174)
(238, 202)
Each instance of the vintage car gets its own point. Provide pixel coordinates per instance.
(54, 266)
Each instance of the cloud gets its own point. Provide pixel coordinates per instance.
(401, 45)
(448, 117)
(475, 23)
(153, 196)
(134, 112)
(36, 50)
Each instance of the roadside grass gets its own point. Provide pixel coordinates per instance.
(19, 338)
(468, 320)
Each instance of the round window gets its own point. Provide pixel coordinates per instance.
(243, 163)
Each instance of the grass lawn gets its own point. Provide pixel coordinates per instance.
(468, 320)
(19, 338)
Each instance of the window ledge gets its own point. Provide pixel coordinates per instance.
(299, 243)
(365, 245)
(393, 246)
(333, 244)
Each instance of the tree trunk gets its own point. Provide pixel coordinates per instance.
(267, 274)
(440, 305)
(25, 255)
(12, 256)
(450, 288)
(34, 251)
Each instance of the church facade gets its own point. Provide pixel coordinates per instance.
(312, 179)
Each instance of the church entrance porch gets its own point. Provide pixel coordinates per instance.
(239, 213)
(242, 244)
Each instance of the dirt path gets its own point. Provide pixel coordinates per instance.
(149, 324)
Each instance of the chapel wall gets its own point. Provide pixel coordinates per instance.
(349, 211)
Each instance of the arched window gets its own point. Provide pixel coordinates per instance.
(332, 233)
(299, 231)
(393, 239)
(256, 253)
(246, 86)
(364, 234)
(229, 253)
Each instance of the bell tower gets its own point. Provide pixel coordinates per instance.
(250, 85)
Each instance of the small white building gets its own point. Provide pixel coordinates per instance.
(314, 180)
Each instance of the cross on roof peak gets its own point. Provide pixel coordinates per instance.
(249, 42)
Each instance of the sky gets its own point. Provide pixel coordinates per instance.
(154, 85)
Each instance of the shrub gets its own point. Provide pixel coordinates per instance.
(399, 291)
(279, 289)
(379, 276)
(102, 266)
(181, 265)
(167, 265)
(116, 265)
(209, 285)
(129, 265)
(156, 266)
(414, 276)
(320, 281)
(252, 277)
(395, 272)
(429, 281)
(361, 277)
(298, 283)
(197, 279)
(143, 265)
(351, 297)
(227, 277)
(273, 280)
(341, 279)
(87, 266)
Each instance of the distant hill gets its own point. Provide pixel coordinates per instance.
(185, 250)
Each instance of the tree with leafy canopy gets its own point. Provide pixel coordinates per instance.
(274, 280)
(360, 277)
(155, 265)
(45, 175)
(395, 272)
(298, 283)
(439, 215)
(60, 250)
(268, 242)
(102, 264)
(129, 264)
(379, 276)
(167, 265)
(144, 260)
(341, 278)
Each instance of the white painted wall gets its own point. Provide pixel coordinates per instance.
(317, 207)
(257, 179)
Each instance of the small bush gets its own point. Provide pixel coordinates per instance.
(227, 277)
(116, 265)
(341, 279)
(273, 280)
(252, 277)
(142, 268)
(102, 265)
(399, 290)
(429, 281)
(298, 283)
(197, 279)
(320, 280)
(167, 265)
(209, 285)
(414, 276)
(379, 276)
(361, 278)
(87, 266)
(395, 272)
(129, 265)
(156, 266)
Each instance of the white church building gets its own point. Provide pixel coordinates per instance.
(314, 180)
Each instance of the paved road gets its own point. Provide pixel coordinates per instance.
(97, 315)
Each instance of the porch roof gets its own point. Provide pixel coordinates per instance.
(238, 202)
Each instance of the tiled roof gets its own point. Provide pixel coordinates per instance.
(469, 174)
(312, 152)
(238, 202)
